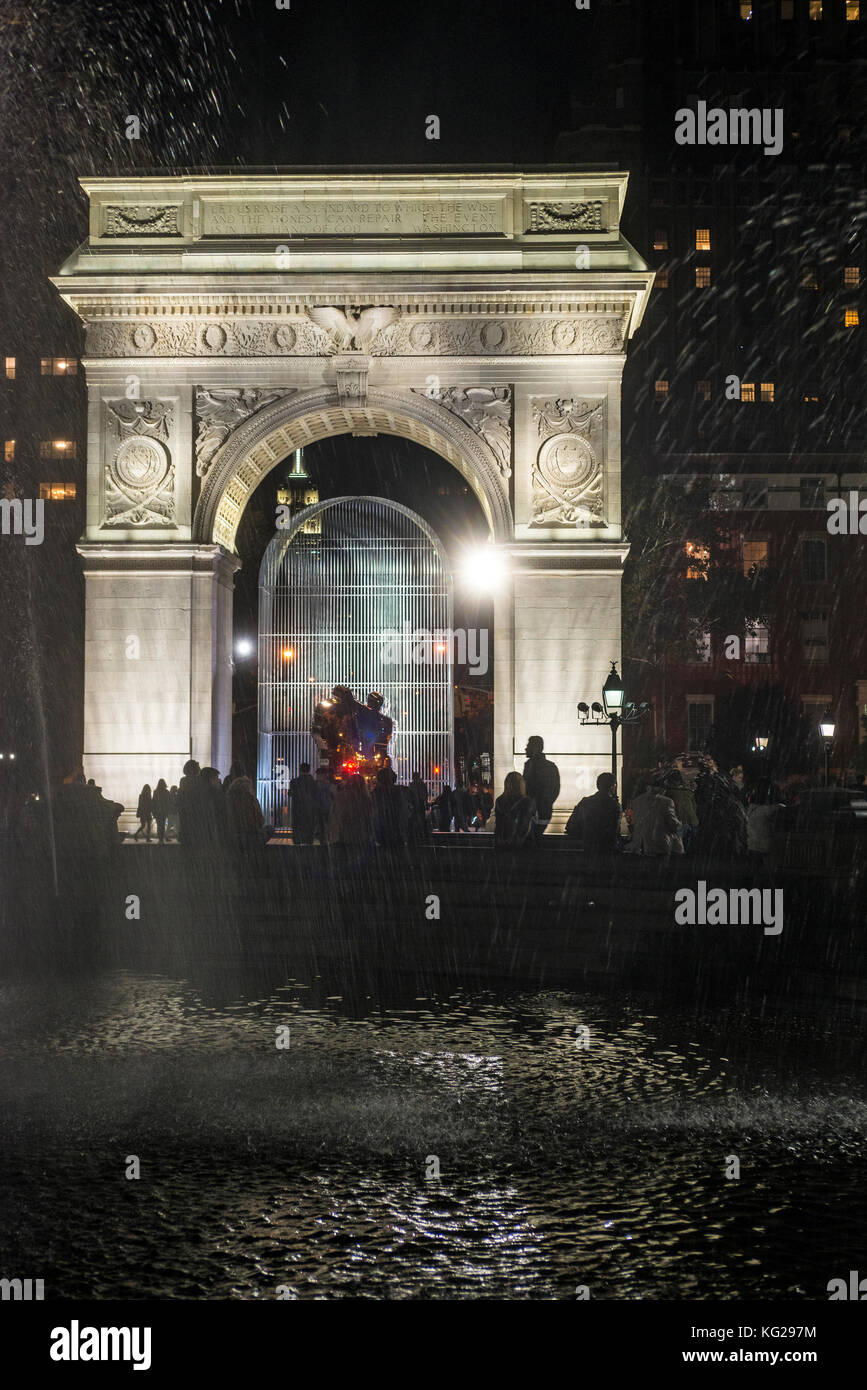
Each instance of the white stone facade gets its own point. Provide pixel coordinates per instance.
(230, 320)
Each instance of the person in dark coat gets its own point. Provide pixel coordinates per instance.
(245, 815)
(416, 799)
(190, 806)
(389, 821)
(595, 821)
(144, 811)
(215, 812)
(514, 815)
(303, 802)
(162, 808)
(444, 809)
(542, 779)
(324, 795)
(464, 808)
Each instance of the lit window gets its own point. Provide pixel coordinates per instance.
(56, 492)
(810, 398)
(661, 389)
(850, 318)
(702, 390)
(57, 449)
(757, 645)
(816, 9)
(58, 366)
(853, 11)
(660, 239)
(755, 556)
(702, 277)
(813, 566)
(698, 556)
(852, 276)
(699, 718)
(814, 635)
(702, 238)
(748, 391)
(787, 9)
(661, 281)
(746, 10)
(766, 392)
(10, 368)
(809, 279)
(812, 494)
(9, 451)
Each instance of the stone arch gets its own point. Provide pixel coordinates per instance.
(303, 417)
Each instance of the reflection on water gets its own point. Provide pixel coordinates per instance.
(305, 1167)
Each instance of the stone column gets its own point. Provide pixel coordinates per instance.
(158, 672)
(556, 633)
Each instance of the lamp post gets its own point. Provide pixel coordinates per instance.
(826, 729)
(614, 711)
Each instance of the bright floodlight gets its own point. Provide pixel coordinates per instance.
(613, 693)
(244, 647)
(484, 569)
(583, 707)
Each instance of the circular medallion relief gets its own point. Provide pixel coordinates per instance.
(285, 337)
(564, 334)
(421, 336)
(214, 337)
(493, 335)
(567, 460)
(141, 463)
(143, 336)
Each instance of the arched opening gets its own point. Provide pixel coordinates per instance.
(347, 595)
(297, 419)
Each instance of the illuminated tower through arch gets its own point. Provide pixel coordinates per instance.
(328, 601)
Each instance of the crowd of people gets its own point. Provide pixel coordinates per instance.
(716, 815)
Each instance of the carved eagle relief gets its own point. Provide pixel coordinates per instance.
(356, 329)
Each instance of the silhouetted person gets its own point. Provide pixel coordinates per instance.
(303, 806)
(144, 811)
(684, 807)
(389, 811)
(542, 779)
(514, 815)
(444, 809)
(189, 805)
(172, 826)
(236, 770)
(416, 808)
(245, 815)
(162, 808)
(351, 818)
(324, 796)
(656, 830)
(595, 821)
(215, 813)
(464, 808)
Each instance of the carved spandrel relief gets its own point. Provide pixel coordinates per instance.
(146, 220)
(568, 473)
(567, 217)
(487, 411)
(139, 472)
(220, 412)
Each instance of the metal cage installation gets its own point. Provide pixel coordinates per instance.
(366, 604)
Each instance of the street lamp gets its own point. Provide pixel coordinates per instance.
(617, 710)
(826, 729)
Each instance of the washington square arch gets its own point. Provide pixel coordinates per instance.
(232, 320)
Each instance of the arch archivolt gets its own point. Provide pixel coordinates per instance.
(301, 417)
